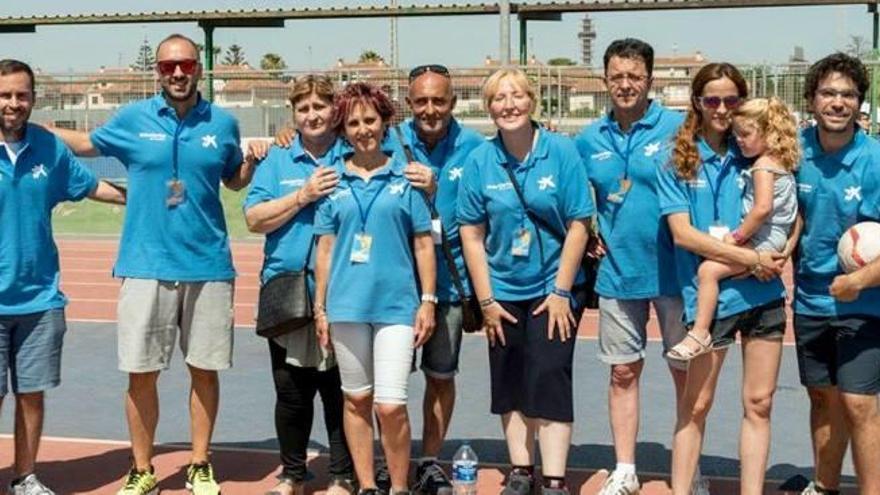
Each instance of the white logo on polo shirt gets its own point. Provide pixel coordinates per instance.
(455, 173)
(853, 193)
(293, 182)
(397, 188)
(546, 182)
(153, 136)
(652, 148)
(601, 156)
(697, 183)
(805, 188)
(501, 186)
(339, 194)
(209, 140)
(39, 171)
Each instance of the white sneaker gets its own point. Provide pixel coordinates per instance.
(620, 484)
(700, 485)
(30, 485)
(812, 489)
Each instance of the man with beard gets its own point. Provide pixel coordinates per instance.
(174, 255)
(36, 173)
(622, 152)
(837, 316)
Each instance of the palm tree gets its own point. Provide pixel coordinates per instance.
(369, 56)
(272, 62)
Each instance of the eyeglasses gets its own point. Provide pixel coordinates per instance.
(618, 79)
(713, 102)
(421, 69)
(187, 66)
(830, 94)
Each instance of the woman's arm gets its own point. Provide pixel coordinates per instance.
(558, 303)
(426, 265)
(108, 192)
(322, 273)
(472, 239)
(266, 217)
(763, 181)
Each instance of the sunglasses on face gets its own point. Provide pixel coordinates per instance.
(713, 102)
(187, 66)
(421, 69)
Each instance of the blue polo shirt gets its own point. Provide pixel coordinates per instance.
(835, 191)
(384, 289)
(283, 172)
(713, 196)
(447, 160)
(188, 242)
(555, 187)
(43, 175)
(640, 259)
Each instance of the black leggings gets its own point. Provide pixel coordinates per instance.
(295, 390)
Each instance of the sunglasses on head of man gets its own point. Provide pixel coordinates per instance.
(167, 67)
(421, 69)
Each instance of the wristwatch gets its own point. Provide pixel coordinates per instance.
(430, 298)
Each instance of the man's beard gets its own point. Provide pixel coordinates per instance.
(193, 88)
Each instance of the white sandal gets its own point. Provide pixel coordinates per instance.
(681, 352)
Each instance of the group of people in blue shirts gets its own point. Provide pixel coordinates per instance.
(403, 227)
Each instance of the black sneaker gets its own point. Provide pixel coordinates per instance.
(432, 480)
(383, 477)
(519, 482)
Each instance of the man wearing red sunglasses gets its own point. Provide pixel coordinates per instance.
(174, 255)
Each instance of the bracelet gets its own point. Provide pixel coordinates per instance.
(738, 237)
(430, 298)
(561, 292)
(485, 303)
(757, 266)
(319, 308)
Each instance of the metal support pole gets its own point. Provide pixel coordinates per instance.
(504, 31)
(523, 41)
(209, 61)
(875, 57)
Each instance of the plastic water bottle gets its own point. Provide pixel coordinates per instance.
(464, 471)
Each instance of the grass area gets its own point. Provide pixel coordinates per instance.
(93, 218)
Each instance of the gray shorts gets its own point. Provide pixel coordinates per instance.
(623, 323)
(440, 352)
(150, 312)
(30, 351)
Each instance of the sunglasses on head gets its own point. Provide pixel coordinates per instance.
(187, 66)
(421, 69)
(713, 102)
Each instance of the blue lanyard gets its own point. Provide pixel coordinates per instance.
(715, 188)
(366, 213)
(613, 138)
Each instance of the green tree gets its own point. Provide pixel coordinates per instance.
(234, 56)
(272, 62)
(858, 47)
(369, 56)
(217, 51)
(146, 59)
(561, 61)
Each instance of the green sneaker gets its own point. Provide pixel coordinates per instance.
(140, 483)
(200, 479)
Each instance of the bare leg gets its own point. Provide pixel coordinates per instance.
(761, 358)
(142, 412)
(623, 409)
(829, 434)
(554, 439)
(519, 432)
(699, 393)
(863, 417)
(437, 409)
(28, 429)
(395, 438)
(204, 399)
(358, 424)
(709, 275)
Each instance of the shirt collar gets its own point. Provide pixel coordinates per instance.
(649, 119)
(539, 151)
(707, 154)
(846, 156)
(394, 167)
(299, 154)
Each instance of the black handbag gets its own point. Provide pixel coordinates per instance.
(471, 313)
(285, 304)
(589, 265)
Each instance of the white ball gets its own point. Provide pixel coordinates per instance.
(858, 246)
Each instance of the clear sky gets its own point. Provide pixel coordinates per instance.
(737, 35)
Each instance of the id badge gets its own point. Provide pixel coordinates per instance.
(718, 231)
(617, 197)
(176, 193)
(360, 251)
(522, 240)
(437, 231)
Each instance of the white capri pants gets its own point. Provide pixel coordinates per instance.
(374, 357)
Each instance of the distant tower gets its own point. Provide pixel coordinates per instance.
(587, 35)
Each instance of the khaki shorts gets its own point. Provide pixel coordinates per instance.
(150, 312)
(623, 325)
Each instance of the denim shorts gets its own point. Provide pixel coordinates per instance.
(30, 351)
(440, 352)
(764, 322)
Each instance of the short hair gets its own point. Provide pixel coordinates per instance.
(319, 84)
(365, 94)
(516, 76)
(840, 62)
(630, 48)
(178, 36)
(11, 66)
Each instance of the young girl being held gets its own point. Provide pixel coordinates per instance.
(767, 131)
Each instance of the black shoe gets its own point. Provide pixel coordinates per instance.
(383, 477)
(519, 482)
(432, 480)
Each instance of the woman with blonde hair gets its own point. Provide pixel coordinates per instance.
(281, 205)
(766, 132)
(524, 210)
(701, 197)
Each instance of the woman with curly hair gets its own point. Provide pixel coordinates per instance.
(766, 131)
(701, 197)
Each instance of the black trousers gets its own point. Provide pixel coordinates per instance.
(295, 390)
